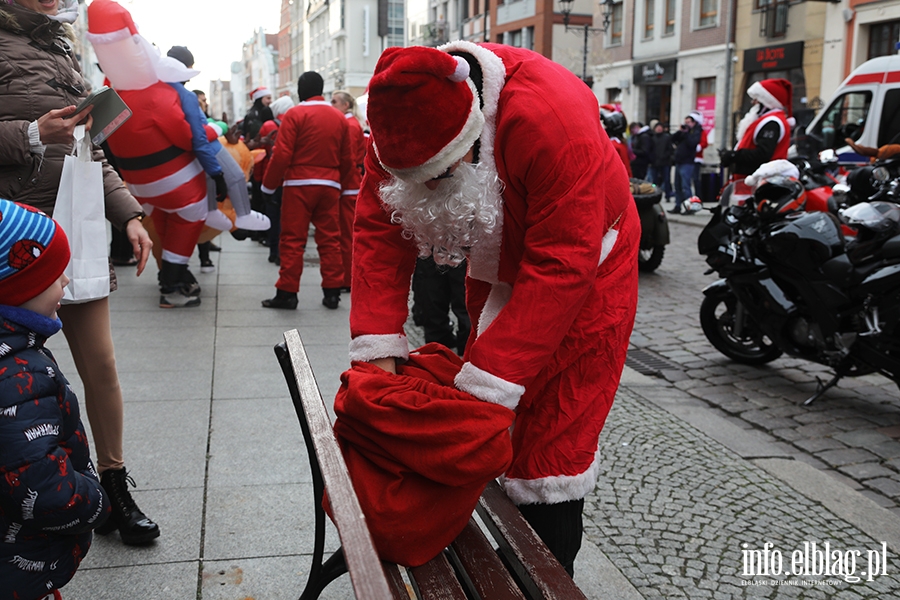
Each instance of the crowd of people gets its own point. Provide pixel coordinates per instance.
(453, 197)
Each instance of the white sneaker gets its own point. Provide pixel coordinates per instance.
(255, 221)
(216, 219)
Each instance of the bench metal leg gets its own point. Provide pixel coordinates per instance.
(321, 574)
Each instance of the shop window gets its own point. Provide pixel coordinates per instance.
(649, 17)
(670, 17)
(883, 38)
(773, 18)
(709, 12)
(844, 118)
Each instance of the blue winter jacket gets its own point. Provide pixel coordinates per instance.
(50, 495)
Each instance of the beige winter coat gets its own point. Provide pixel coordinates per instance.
(39, 73)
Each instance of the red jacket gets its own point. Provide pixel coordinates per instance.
(553, 293)
(748, 142)
(358, 149)
(312, 148)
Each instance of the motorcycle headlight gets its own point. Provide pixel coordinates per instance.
(881, 174)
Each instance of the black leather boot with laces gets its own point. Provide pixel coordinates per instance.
(133, 525)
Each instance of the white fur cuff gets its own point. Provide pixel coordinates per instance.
(488, 387)
(371, 347)
(553, 490)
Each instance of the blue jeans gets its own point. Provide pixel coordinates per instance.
(684, 174)
(662, 178)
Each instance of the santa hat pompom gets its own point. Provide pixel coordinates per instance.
(773, 93)
(423, 111)
(781, 167)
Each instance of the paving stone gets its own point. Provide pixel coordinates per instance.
(846, 456)
(817, 444)
(863, 471)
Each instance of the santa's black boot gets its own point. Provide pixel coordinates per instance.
(134, 526)
(332, 297)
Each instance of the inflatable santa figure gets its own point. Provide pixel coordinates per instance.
(153, 148)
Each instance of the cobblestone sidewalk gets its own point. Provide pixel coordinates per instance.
(678, 514)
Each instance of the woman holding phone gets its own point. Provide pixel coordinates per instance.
(42, 87)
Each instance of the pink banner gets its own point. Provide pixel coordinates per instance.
(707, 107)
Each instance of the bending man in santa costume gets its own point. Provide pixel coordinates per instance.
(497, 154)
(764, 133)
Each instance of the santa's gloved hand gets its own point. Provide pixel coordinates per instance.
(221, 187)
(726, 157)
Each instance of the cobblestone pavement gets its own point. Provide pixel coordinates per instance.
(853, 432)
(677, 513)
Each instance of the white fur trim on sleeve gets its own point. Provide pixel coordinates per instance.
(488, 387)
(554, 489)
(371, 347)
(609, 240)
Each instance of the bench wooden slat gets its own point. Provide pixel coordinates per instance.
(366, 574)
(395, 579)
(482, 568)
(436, 579)
(526, 552)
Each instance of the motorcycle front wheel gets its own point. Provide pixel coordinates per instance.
(650, 259)
(733, 331)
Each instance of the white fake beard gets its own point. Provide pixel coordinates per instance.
(747, 120)
(449, 220)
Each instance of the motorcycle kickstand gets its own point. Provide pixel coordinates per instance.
(821, 389)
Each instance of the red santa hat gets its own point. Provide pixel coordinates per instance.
(423, 111)
(260, 92)
(773, 93)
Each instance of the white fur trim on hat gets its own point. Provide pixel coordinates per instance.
(259, 93)
(697, 116)
(554, 489)
(453, 152)
(772, 168)
(372, 347)
(109, 38)
(764, 96)
(484, 258)
(488, 387)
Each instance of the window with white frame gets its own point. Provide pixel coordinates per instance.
(616, 24)
(649, 18)
(670, 17)
(709, 13)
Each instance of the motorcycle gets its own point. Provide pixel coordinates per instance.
(792, 285)
(654, 225)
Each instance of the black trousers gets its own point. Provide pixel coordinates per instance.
(436, 291)
(560, 526)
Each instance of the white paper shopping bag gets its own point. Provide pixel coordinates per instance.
(80, 212)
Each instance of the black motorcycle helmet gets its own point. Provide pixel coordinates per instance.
(614, 123)
(778, 196)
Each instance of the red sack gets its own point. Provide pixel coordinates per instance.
(419, 451)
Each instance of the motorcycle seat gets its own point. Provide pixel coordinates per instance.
(891, 248)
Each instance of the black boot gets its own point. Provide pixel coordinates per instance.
(282, 299)
(174, 288)
(133, 525)
(332, 297)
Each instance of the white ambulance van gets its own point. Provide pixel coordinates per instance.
(865, 108)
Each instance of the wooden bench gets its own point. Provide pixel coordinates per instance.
(469, 568)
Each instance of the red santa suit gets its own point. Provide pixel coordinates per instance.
(768, 136)
(553, 289)
(349, 191)
(310, 159)
(153, 148)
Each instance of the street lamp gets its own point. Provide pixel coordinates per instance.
(566, 9)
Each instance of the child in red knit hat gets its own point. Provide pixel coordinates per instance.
(50, 494)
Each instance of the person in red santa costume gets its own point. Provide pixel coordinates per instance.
(496, 154)
(310, 159)
(345, 103)
(615, 124)
(764, 133)
(154, 148)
